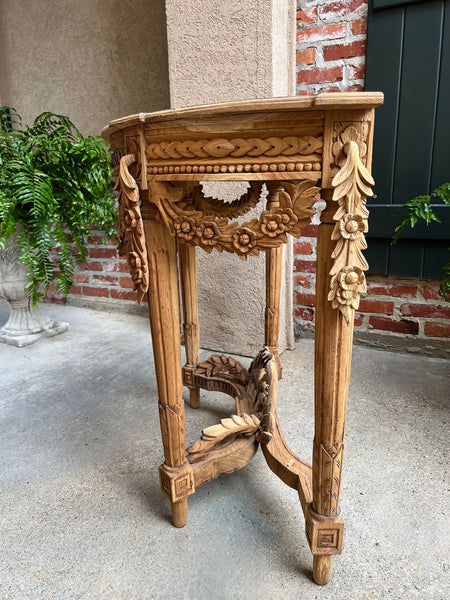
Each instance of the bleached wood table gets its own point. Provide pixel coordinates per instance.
(297, 147)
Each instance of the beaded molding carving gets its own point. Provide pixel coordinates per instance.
(289, 153)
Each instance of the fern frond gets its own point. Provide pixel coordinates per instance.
(52, 179)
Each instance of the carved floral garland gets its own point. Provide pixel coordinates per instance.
(351, 187)
(130, 224)
(207, 231)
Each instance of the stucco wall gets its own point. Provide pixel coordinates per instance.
(220, 51)
(93, 60)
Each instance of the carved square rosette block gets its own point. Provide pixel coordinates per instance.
(324, 535)
(176, 483)
(188, 374)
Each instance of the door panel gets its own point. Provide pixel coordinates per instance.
(418, 99)
(441, 155)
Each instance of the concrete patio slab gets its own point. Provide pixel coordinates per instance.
(82, 516)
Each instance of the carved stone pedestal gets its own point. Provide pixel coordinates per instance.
(298, 147)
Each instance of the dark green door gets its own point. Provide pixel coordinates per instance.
(408, 58)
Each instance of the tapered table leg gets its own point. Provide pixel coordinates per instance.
(176, 476)
(333, 348)
(274, 269)
(188, 277)
(274, 266)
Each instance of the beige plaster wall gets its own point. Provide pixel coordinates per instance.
(220, 51)
(93, 60)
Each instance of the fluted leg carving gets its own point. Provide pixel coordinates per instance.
(188, 277)
(274, 269)
(177, 481)
(274, 266)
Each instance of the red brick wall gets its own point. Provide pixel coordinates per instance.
(331, 45)
(104, 277)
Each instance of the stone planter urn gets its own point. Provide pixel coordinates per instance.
(26, 324)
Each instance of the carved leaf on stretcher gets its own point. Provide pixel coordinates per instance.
(223, 365)
(258, 386)
(214, 435)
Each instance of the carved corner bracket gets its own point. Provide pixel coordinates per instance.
(204, 222)
(131, 226)
(351, 187)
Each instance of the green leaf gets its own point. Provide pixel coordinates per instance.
(420, 208)
(55, 185)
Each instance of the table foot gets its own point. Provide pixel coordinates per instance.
(194, 398)
(322, 567)
(177, 484)
(179, 513)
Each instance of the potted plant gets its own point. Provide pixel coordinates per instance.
(54, 187)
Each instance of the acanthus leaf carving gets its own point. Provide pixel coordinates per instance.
(260, 381)
(263, 388)
(131, 226)
(351, 187)
(345, 132)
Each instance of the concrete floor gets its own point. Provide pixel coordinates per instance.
(82, 516)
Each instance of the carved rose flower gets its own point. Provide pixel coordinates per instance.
(244, 239)
(208, 233)
(185, 227)
(288, 217)
(351, 226)
(351, 283)
(272, 224)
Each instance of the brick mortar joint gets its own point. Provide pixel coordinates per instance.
(346, 40)
(348, 78)
(320, 22)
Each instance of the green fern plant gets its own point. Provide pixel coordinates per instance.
(418, 208)
(54, 187)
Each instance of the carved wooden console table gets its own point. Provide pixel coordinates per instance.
(297, 147)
